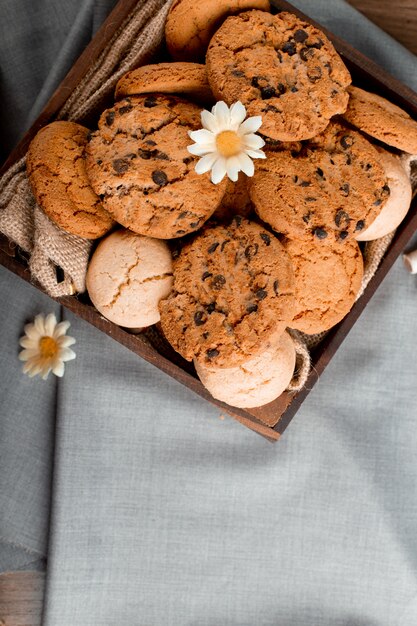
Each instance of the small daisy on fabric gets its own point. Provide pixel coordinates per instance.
(227, 143)
(46, 347)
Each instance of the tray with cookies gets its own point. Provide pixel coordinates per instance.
(221, 187)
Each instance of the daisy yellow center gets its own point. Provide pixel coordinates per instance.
(228, 143)
(48, 347)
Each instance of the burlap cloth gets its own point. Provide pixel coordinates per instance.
(48, 247)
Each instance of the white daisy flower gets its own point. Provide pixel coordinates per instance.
(227, 143)
(46, 346)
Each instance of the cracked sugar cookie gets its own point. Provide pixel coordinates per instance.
(279, 67)
(233, 291)
(56, 170)
(335, 185)
(327, 280)
(127, 277)
(139, 165)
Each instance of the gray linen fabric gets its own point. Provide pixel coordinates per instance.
(163, 514)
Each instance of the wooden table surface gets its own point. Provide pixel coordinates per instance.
(21, 593)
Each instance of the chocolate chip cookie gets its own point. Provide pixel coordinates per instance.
(279, 67)
(56, 170)
(334, 185)
(233, 291)
(381, 119)
(138, 163)
(327, 280)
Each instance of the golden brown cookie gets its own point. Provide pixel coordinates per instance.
(335, 184)
(327, 280)
(190, 25)
(279, 67)
(56, 171)
(138, 163)
(382, 120)
(233, 291)
(236, 201)
(186, 79)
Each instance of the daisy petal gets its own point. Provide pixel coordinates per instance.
(31, 331)
(256, 154)
(66, 354)
(251, 125)
(27, 342)
(233, 168)
(222, 113)
(246, 165)
(206, 163)
(65, 341)
(201, 149)
(202, 136)
(24, 355)
(209, 121)
(39, 324)
(31, 370)
(44, 372)
(253, 141)
(59, 369)
(218, 171)
(61, 329)
(50, 323)
(237, 115)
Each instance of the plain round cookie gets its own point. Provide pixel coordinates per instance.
(190, 25)
(139, 164)
(279, 67)
(233, 292)
(186, 79)
(127, 277)
(334, 185)
(256, 382)
(56, 170)
(381, 119)
(398, 203)
(327, 280)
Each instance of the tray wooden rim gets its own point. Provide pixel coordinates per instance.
(288, 404)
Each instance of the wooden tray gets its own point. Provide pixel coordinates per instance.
(272, 419)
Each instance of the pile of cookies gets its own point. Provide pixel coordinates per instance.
(226, 264)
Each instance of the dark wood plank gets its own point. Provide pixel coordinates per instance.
(21, 598)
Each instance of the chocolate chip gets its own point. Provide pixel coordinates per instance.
(320, 172)
(206, 335)
(310, 199)
(199, 318)
(261, 294)
(211, 308)
(306, 217)
(182, 215)
(259, 82)
(294, 89)
(110, 118)
(206, 275)
(341, 216)
(212, 248)
(222, 247)
(150, 102)
(305, 183)
(360, 225)
(345, 189)
(187, 160)
(237, 73)
(346, 141)
(300, 36)
(145, 154)
(150, 142)
(320, 233)
(314, 74)
(161, 156)
(120, 166)
(306, 54)
(218, 281)
(194, 224)
(159, 177)
(266, 238)
(295, 179)
(378, 202)
(281, 88)
(289, 48)
(276, 287)
(343, 234)
(270, 107)
(212, 353)
(125, 109)
(368, 167)
(251, 308)
(318, 44)
(267, 92)
(386, 190)
(251, 251)
(99, 161)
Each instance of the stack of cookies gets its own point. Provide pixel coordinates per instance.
(226, 246)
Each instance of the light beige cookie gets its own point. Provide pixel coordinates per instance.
(56, 170)
(190, 25)
(127, 277)
(257, 381)
(184, 79)
(381, 119)
(399, 200)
